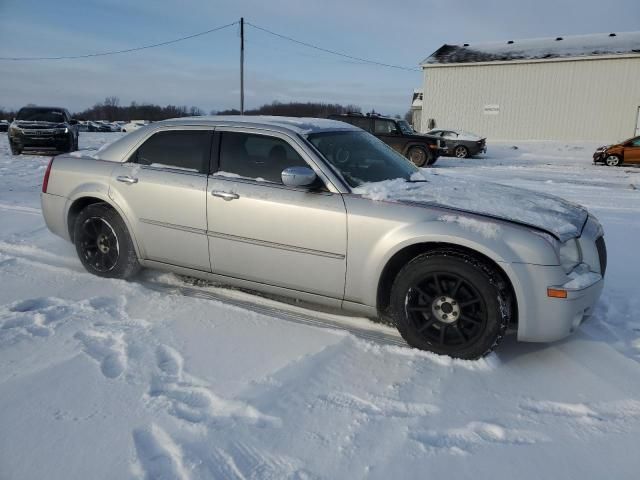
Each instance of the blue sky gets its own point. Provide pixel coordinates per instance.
(204, 71)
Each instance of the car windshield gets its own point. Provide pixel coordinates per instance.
(40, 115)
(362, 158)
(405, 127)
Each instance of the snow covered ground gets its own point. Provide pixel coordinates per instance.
(107, 379)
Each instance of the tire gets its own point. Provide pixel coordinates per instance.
(70, 145)
(103, 243)
(419, 156)
(613, 161)
(450, 303)
(14, 150)
(461, 151)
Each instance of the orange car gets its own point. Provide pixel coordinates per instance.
(615, 155)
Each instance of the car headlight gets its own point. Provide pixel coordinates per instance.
(14, 129)
(62, 130)
(569, 255)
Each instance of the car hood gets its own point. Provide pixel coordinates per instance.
(561, 218)
(422, 136)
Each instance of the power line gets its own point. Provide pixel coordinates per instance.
(326, 50)
(115, 52)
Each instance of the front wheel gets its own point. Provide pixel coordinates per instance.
(451, 304)
(103, 243)
(613, 161)
(461, 151)
(14, 150)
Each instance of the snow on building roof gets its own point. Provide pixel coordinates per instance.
(538, 48)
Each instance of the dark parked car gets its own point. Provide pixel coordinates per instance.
(421, 149)
(461, 144)
(4, 126)
(43, 129)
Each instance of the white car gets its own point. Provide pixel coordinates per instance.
(133, 125)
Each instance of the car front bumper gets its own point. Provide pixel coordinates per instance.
(55, 142)
(599, 157)
(542, 318)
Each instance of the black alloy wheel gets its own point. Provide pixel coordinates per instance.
(103, 242)
(99, 244)
(450, 303)
(446, 309)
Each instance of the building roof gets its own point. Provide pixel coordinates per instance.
(538, 48)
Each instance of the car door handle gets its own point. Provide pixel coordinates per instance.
(126, 179)
(225, 195)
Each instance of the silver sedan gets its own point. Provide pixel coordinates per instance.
(321, 211)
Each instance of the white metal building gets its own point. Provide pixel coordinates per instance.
(584, 87)
(416, 108)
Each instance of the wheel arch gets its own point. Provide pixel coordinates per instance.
(78, 204)
(400, 258)
(411, 144)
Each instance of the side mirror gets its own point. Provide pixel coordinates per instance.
(298, 177)
(73, 121)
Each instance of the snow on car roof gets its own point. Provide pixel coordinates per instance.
(538, 48)
(299, 125)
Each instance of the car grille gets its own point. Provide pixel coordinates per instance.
(602, 254)
(39, 132)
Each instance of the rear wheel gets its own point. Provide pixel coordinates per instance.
(103, 243)
(613, 161)
(451, 304)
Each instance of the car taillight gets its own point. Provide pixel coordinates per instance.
(45, 181)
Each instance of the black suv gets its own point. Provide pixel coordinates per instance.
(43, 129)
(421, 149)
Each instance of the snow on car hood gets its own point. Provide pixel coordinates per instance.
(559, 217)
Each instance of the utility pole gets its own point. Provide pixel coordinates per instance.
(241, 65)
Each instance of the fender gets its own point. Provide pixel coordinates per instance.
(100, 190)
(372, 244)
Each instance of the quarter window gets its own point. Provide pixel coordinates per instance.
(179, 149)
(257, 157)
(385, 126)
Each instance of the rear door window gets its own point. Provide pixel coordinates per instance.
(385, 126)
(186, 150)
(361, 122)
(257, 157)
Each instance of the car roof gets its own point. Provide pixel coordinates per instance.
(361, 115)
(42, 107)
(288, 125)
(298, 125)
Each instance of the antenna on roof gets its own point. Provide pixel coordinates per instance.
(612, 35)
(465, 44)
(510, 42)
(558, 39)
